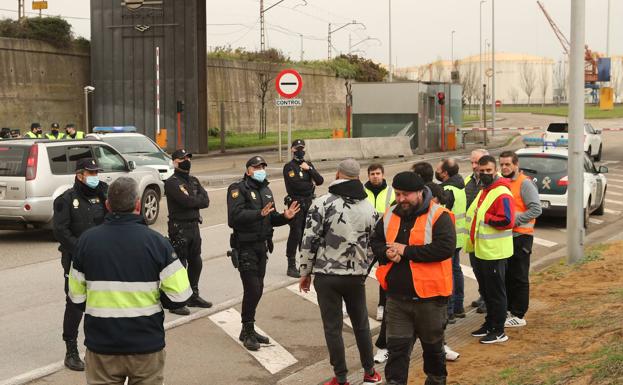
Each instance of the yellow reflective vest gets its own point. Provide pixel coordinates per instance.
(382, 201)
(459, 209)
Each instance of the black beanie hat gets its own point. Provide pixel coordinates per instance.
(408, 181)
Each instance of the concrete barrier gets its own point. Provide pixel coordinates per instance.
(357, 148)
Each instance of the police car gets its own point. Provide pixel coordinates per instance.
(136, 147)
(592, 137)
(547, 164)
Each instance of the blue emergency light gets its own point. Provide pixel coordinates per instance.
(113, 129)
(532, 141)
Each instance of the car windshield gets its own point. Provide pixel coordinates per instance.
(13, 160)
(558, 127)
(132, 144)
(543, 164)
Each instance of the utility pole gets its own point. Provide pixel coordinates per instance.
(330, 32)
(391, 76)
(350, 43)
(302, 51)
(493, 67)
(575, 206)
(262, 31)
(608, 32)
(21, 12)
(329, 43)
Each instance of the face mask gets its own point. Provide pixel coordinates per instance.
(39, 132)
(438, 176)
(511, 175)
(486, 179)
(299, 154)
(259, 175)
(185, 165)
(55, 132)
(92, 181)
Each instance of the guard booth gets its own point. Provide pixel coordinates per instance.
(408, 109)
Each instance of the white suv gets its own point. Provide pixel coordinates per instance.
(592, 137)
(33, 172)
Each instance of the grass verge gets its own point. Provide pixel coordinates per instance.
(272, 139)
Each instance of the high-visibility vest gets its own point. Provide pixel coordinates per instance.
(489, 242)
(382, 201)
(79, 135)
(520, 207)
(459, 208)
(430, 279)
(32, 135)
(52, 137)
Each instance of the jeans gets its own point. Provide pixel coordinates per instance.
(517, 276)
(455, 305)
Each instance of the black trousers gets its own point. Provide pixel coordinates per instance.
(491, 277)
(517, 276)
(189, 250)
(381, 340)
(407, 320)
(252, 259)
(72, 316)
(297, 226)
(332, 289)
(472, 262)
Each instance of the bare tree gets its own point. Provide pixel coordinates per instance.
(438, 70)
(469, 82)
(617, 79)
(544, 81)
(264, 78)
(528, 79)
(513, 92)
(560, 82)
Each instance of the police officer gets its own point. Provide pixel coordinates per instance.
(75, 211)
(185, 197)
(301, 180)
(35, 131)
(54, 133)
(71, 133)
(251, 214)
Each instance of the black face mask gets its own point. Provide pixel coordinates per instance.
(511, 175)
(438, 176)
(39, 132)
(299, 154)
(486, 179)
(185, 165)
(55, 132)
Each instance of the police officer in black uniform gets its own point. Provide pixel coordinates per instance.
(251, 214)
(185, 197)
(301, 180)
(75, 211)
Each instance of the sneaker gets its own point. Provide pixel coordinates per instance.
(483, 331)
(379, 313)
(381, 356)
(293, 272)
(494, 338)
(196, 301)
(482, 309)
(451, 355)
(180, 311)
(451, 319)
(478, 302)
(460, 313)
(333, 381)
(514, 322)
(372, 379)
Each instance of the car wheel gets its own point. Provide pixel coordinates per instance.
(598, 156)
(587, 213)
(600, 209)
(150, 206)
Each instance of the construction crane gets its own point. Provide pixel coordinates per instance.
(590, 59)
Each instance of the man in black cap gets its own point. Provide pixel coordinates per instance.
(35, 131)
(251, 214)
(301, 180)
(414, 243)
(71, 133)
(75, 211)
(185, 197)
(54, 133)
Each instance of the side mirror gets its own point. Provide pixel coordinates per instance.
(131, 165)
(598, 132)
(603, 170)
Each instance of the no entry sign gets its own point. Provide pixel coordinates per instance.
(288, 83)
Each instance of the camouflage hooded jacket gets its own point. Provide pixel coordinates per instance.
(337, 231)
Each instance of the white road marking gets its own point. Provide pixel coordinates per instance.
(613, 212)
(615, 180)
(614, 202)
(468, 271)
(615, 193)
(544, 242)
(610, 162)
(595, 221)
(273, 356)
(615, 185)
(312, 297)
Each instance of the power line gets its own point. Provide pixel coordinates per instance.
(48, 15)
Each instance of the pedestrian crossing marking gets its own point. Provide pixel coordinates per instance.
(544, 242)
(614, 202)
(273, 357)
(312, 297)
(613, 212)
(468, 272)
(595, 221)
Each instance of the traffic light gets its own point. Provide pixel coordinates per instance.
(441, 98)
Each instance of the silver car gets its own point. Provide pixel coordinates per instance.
(33, 172)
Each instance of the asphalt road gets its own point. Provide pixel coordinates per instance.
(31, 274)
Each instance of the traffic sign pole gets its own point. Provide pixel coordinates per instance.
(279, 130)
(289, 128)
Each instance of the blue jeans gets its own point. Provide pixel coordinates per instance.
(455, 305)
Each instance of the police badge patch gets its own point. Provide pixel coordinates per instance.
(235, 193)
(76, 203)
(183, 188)
(291, 174)
(253, 195)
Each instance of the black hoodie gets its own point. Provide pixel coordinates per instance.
(456, 181)
(349, 190)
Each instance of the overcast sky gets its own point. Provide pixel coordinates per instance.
(421, 29)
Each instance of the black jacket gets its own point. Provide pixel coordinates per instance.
(455, 181)
(399, 278)
(185, 197)
(75, 211)
(245, 200)
(301, 183)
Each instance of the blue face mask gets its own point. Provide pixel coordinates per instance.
(92, 181)
(259, 175)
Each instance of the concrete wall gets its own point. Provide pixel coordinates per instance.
(236, 84)
(39, 83)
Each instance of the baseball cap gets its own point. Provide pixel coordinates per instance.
(181, 154)
(88, 164)
(298, 143)
(35, 125)
(54, 125)
(256, 161)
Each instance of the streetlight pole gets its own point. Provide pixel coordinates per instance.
(482, 104)
(608, 32)
(391, 76)
(87, 91)
(575, 210)
(493, 67)
(302, 51)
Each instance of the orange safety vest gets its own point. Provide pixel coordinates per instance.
(520, 207)
(430, 279)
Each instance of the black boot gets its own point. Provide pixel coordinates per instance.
(260, 338)
(72, 357)
(248, 336)
(292, 270)
(196, 301)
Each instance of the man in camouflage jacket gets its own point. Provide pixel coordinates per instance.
(335, 249)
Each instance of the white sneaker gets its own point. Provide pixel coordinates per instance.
(451, 355)
(514, 322)
(381, 356)
(379, 313)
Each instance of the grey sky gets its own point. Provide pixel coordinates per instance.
(421, 28)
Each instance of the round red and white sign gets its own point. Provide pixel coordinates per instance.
(288, 83)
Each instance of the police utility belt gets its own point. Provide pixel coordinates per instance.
(234, 253)
(304, 202)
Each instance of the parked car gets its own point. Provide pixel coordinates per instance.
(592, 137)
(136, 147)
(33, 172)
(547, 166)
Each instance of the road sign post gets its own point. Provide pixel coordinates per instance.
(288, 84)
